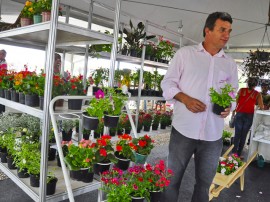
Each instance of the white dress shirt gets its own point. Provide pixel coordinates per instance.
(194, 71)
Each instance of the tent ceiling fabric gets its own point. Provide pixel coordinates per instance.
(249, 16)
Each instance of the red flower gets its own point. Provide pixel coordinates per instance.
(119, 148)
(103, 152)
(142, 143)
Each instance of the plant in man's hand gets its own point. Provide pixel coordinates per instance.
(225, 97)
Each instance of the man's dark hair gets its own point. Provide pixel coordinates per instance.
(212, 18)
(4, 52)
(57, 56)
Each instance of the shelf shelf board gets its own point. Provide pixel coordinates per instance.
(37, 34)
(263, 112)
(135, 60)
(260, 138)
(22, 108)
(60, 194)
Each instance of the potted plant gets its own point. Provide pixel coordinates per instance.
(134, 36)
(115, 185)
(164, 50)
(37, 9)
(104, 154)
(95, 111)
(30, 83)
(75, 87)
(158, 177)
(27, 14)
(147, 121)
(124, 152)
(156, 120)
(228, 165)
(223, 98)
(125, 123)
(40, 89)
(80, 160)
(98, 77)
(116, 102)
(51, 183)
(99, 131)
(226, 137)
(67, 129)
(7, 83)
(12, 148)
(142, 147)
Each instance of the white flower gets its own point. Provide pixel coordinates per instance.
(223, 170)
(235, 162)
(24, 130)
(222, 158)
(230, 158)
(124, 89)
(236, 167)
(24, 161)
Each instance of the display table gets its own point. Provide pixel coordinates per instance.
(260, 134)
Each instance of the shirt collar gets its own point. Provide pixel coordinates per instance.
(220, 54)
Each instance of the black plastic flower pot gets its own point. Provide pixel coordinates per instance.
(133, 53)
(97, 135)
(7, 94)
(154, 127)
(3, 157)
(32, 100)
(111, 121)
(14, 96)
(23, 173)
(34, 180)
(137, 199)
(75, 104)
(66, 136)
(87, 175)
(218, 109)
(99, 168)
(119, 132)
(11, 164)
(163, 126)
(139, 130)
(2, 93)
(127, 131)
(75, 174)
(89, 123)
(86, 136)
(146, 128)
(155, 196)
(51, 186)
(123, 163)
(58, 161)
(112, 132)
(21, 98)
(52, 153)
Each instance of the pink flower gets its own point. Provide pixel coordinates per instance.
(99, 94)
(232, 94)
(135, 187)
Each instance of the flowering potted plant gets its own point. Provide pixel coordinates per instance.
(222, 99)
(142, 147)
(75, 87)
(125, 123)
(147, 121)
(124, 152)
(104, 154)
(164, 50)
(115, 185)
(95, 111)
(158, 177)
(80, 160)
(27, 14)
(228, 165)
(226, 137)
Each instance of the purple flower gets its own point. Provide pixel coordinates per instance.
(99, 94)
(232, 94)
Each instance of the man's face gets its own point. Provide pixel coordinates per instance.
(2, 55)
(220, 35)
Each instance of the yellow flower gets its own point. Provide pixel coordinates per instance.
(17, 83)
(31, 10)
(28, 3)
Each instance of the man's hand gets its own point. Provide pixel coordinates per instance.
(192, 104)
(225, 113)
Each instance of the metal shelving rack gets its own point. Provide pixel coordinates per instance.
(47, 36)
(51, 36)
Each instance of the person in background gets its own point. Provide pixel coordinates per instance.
(246, 101)
(196, 129)
(3, 63)
(265, 96)
(57, 64)
(3, 66)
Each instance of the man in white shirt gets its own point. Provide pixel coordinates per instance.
(196, 129)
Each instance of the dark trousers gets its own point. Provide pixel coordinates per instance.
(243, 122)
(206, 156)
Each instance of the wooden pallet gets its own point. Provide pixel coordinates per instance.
(225, 181)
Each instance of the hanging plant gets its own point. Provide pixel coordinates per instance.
(257, 64)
